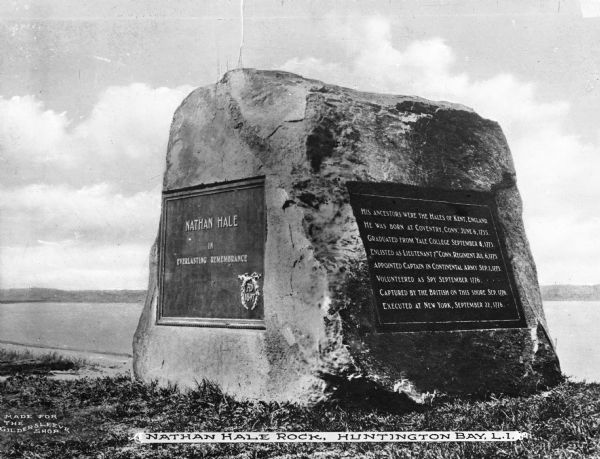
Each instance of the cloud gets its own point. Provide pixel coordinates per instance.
(590, 8)
(425, 68)
(80, 201)
(123, 140)
(553, 166)
(30, 133)
(58, 214)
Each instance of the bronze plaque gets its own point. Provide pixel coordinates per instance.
(211, 256)
(436, 258)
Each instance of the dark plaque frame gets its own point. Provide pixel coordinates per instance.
(464, 202)
(199, 192)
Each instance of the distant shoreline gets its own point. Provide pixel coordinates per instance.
(561, 292)
(47, 295)
(83, 301)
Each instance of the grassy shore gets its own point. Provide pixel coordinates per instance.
(97, 418)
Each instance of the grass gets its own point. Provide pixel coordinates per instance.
(26, 362)
(103, 414)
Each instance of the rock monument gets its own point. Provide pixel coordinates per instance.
(315, 238)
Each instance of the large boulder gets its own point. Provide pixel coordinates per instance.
(309, 139)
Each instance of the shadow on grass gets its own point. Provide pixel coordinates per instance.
(25, 362)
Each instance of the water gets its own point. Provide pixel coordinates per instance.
(573, 325)
(109, 328)
(92, 327)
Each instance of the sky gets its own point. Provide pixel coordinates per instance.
(88, 90)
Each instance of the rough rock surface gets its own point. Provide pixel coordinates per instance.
(308, 139)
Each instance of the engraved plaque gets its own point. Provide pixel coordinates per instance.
(211, 256)
(436, 258)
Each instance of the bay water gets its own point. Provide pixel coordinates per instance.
(91, 327)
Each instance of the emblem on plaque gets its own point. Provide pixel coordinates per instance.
(249, 290)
